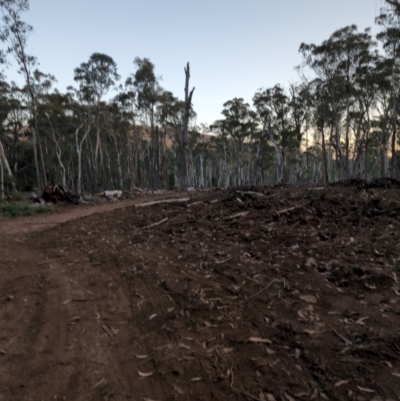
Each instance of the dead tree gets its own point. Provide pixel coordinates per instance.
(188, 103)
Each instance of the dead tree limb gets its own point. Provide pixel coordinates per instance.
(159, 202)
(158, 223)
(188, 104)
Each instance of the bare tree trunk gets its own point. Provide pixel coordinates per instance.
(79, 145)
(35, 158)
(188, 103)
(41, 159)
(201, 178)
(279, 158)
(393, 160)
(326, 176)
(1, 181)
(253, 179)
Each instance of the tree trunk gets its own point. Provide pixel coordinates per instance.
(201, 178)
(279, 158)
(326, 176)
(188, 103)
(1, 180)
(35, 158)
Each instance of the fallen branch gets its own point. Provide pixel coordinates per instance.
(252, 194)
(155, 224)
(195, 203)
(290, 209)
(344, 339)
(265, 288)
(159, 202)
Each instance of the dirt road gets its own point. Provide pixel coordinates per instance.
(286, 295)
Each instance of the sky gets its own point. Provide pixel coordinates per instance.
(234, 47)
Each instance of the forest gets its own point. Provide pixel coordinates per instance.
(339, 121)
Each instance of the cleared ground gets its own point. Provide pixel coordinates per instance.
(266, 294)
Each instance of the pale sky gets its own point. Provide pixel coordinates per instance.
(234, 46)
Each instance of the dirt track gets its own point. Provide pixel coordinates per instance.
(291, 294)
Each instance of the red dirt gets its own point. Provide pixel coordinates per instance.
(284, 294)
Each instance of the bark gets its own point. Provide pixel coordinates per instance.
(79, 145)
(35, 158)
(326, 173)
(4, 160)
(1, 181)
(188, 103)
(253, 179)
(201, 178)
(42, 159)
(279, 158)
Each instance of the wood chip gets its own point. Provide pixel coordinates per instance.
(365, 390)
(178, 390)
(107, 330)
(289, 397)
(270, 397)
(144, 374)
(260, 340)
(99, 383)
(341, 383)
(311, 299)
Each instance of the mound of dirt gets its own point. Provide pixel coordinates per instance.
(273, 294)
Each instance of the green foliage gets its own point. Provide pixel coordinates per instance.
(17, 209)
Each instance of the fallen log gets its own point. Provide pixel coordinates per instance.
(111, 194)
(160, 202)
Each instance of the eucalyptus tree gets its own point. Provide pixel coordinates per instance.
(273, 111)
(383, 110)
(55, 117)
(390, 38)
(124, 107)
(236, 128)
(336, 63)
(15, 33)
(395, 5)
(148, 92)
(96, 78)
(299, 103)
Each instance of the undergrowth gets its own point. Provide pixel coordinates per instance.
(16, 209)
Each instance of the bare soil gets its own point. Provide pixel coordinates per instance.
(249, 294)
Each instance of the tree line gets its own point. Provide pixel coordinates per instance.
(339, 121)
